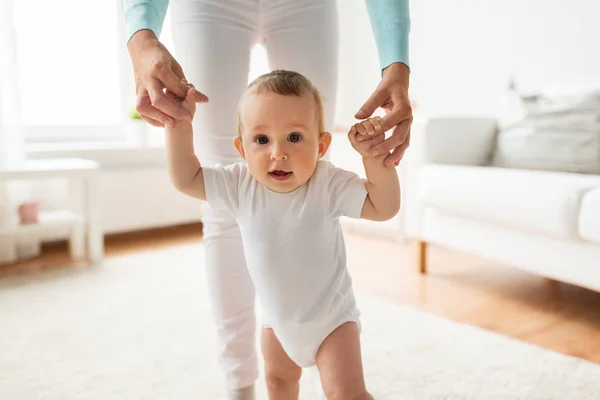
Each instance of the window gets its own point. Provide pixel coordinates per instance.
(68, 69)
(70, 74)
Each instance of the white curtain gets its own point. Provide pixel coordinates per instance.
(11, 141)
(12, 146)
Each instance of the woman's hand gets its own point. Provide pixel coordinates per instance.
(155, 71)
(392, 95)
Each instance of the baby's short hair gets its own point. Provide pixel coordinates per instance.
(286, 83)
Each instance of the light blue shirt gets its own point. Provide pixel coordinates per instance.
(390, 21)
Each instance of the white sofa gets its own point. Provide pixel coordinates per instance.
(547, 223)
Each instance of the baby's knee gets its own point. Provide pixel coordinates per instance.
(280, 379)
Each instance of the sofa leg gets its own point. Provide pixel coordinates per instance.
(420, 255)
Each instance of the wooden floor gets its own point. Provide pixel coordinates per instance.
(554, 315)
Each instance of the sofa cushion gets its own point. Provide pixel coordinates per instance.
(558, 133)
(589, 217)
(538, 201)
(529, 146)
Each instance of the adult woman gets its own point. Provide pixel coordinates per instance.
(213, 40)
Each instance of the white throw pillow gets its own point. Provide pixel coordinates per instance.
(560, 133)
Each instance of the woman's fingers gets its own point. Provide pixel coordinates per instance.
(147, 110)
(171, 82)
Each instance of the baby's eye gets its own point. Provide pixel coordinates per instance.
(294, 137)
(262, 139)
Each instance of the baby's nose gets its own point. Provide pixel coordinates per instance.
(278, 153)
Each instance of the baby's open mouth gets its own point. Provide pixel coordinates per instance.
(280, 175)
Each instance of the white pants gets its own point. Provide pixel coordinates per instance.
(213, 41)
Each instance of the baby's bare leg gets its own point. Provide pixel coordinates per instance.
(340, 365)
(281, 373)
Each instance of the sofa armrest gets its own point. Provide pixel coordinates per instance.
(462, 141)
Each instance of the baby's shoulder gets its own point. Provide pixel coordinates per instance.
(324, 169)
(326, 172)
(238, 171)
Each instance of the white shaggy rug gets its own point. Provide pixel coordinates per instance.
(139, 327)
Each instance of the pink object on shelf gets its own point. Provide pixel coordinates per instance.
(29, 212)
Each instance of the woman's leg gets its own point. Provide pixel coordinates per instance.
(212, 43)
(302, 36)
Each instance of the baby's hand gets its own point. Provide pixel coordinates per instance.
(190, 98)
(365, 135)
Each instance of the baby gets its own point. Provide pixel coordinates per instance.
(288, 203)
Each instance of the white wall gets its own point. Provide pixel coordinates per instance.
(463, 51)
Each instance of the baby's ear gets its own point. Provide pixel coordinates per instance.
(324, 142)
(237, 142)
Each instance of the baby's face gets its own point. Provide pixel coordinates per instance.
(280, 139)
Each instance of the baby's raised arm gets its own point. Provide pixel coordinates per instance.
(184, 167)
(383, 199)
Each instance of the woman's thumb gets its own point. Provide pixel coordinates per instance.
(184, 85)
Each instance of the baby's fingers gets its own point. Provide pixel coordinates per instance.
(376, 121)
(190, 96)
(373, 126)
(352, 134)
(189, 100)
(369, 126)
(360, 129)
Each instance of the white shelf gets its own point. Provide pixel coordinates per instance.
(43, 169)
(86, 235)
(48, 221)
